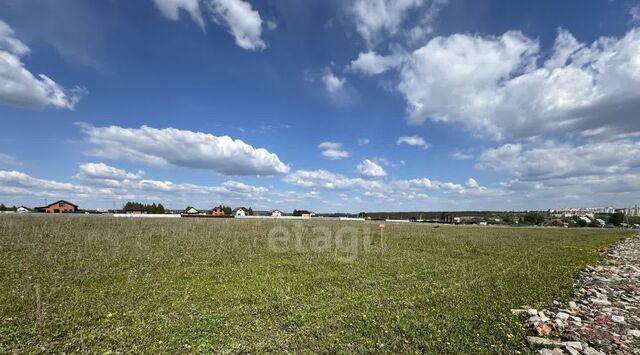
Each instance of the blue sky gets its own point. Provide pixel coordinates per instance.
(323, 105)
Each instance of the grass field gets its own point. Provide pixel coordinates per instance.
(97, 284)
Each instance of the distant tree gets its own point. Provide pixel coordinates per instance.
(249, 212)
(161, 209)
(536, 218)
(362, 215)
(581, 222)
(3, 207)
(616, 218)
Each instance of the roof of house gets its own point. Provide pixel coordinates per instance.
(189, 208)
(218, 209)
(275, 210)
(239, 208)
(57, 202)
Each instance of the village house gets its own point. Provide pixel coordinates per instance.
(240, 212)
(191, 210)
(135, 209)
(275, 213)
(23, 209)
(61, 206)
(217, 211)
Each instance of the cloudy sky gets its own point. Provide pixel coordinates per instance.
(327, 105)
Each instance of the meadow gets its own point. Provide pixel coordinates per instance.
(100, 284)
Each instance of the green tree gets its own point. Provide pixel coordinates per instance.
(3, 207)
(616, 218)
(581, 222)
(249, 212)
(536, 218)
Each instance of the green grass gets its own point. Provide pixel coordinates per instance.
(72, 284)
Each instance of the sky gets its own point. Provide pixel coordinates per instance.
(325, 105)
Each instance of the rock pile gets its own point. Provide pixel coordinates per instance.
(604, 317)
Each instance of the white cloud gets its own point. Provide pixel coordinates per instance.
(370, 63)
(106, 172)
(328, 180)
(461, 156)
(106, 183)
(170, 146)
(556, 161)
(368, 168)
(333, 83)
(171, 9)
(375, 18)
(9, 159)
(242, 21)
(472, 183)
(333, 150)
(495, 86)
(20, 87)
(363, 141)
(414, 141)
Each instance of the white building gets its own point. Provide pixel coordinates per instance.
(276, 213)
(23, 209)
(600, 222)
(240, 212)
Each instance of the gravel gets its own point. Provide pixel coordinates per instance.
(603, 317)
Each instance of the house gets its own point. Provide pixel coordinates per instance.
(240, 212)
(557, 223)
(217, 211)
(191, 210)
(600, 222)
(275, 213)
(135, 209)
(61, 206)
(23, 209)
(303, 213)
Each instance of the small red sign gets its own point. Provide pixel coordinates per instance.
(381, 225)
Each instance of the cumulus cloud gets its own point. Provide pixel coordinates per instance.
(332, 82)
(104, 171)
(375, 18)
(363, 141)
(99, 181)
(171, 9)
(553, 161)
(416, 141)
(496, 86)
(371, 63)
(242, 21)
(18, 86)
(333, 150)
(328, 180)
(170, 146)
(368, 168)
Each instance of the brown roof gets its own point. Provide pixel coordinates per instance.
(57, 202)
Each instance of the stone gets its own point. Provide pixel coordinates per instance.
(573, 345)
(617, 319)
(542, 329)
(600, 302)
(555, 351)
(532, 312)
(572, 305)
(542, 341)
(562, 316)
(634, 333)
